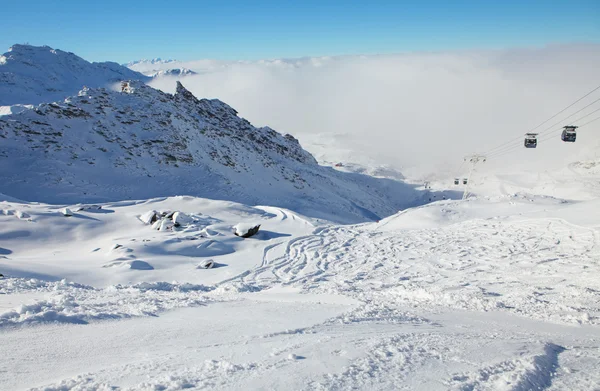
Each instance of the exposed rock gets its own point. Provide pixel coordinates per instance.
(79, 208)
(245, 230)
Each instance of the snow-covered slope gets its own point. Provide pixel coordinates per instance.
(111, 145)
(490, 293)
(32, 74)
(496, 292)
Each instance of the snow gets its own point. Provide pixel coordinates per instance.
(494, 292)
(139, 289)
(30, 75)
(14, 109)
(104, 145)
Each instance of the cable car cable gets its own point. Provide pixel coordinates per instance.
(546, 139)
(510, 147)
(560, 129)
(589, 122)
(549, 119)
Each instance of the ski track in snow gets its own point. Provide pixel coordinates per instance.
(466, 266)
(486, 294)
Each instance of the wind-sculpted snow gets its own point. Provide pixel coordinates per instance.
(65, 302)
(529, 373)
(207, 375)
(32, 75)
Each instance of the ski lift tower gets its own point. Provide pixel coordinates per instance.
(473, 160)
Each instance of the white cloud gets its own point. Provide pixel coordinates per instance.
(418, 109)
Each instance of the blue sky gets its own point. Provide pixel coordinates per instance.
(126, 30)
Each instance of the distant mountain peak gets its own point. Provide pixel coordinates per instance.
(179, 72)
(153, 61)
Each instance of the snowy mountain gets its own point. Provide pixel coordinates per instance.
(177, 72)
(110, 145)
(36, 74)
(145, 65)
(158, 67)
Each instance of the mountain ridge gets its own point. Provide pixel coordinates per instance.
(105, 145)
(36, 74)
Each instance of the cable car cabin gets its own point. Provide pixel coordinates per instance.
(464, 181)
(569, 134)
(456, 181)
(531, 140)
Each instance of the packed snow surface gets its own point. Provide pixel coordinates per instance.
(496, 292)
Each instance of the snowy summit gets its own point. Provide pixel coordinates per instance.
(36, 74)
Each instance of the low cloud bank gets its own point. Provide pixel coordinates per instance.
(424, 110)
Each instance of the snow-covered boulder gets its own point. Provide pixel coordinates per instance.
(167, 214)
(22, 215)
(206, 264)
(66, 212)
(164, 225)
(156, 225)
(245, 230)
(149, 217)
(180, 219)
